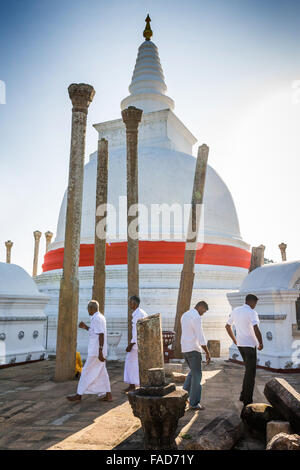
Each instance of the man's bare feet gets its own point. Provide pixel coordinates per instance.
(107, 397)
(74, 397)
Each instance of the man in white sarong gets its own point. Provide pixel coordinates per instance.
(94, 377)
(131, 370)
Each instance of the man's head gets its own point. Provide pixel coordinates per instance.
(134, 302)
(201, 307)
(251, 300)
(93, 307)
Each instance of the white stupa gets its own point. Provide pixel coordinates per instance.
(166, 174)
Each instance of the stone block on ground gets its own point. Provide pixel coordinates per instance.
(178, 377)
(172, 367)
(257, 415)
(214, 347)
(277, 427)
(284, 441)
(220, 434)
(285, 399)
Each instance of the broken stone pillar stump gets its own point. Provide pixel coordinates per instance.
(284, 441)
(277, 427)
(285, 399)
(178, 377)
(220, 434)
(214, 347)
(150, 346)
(159, 415)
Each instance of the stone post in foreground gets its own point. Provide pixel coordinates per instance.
(282, 248)
(158, 405)
(100, 224)
(48, 236)
(9, 245)
(81, 96)
(150, 346)
(187, 273)
(132, 117)
(37, 236)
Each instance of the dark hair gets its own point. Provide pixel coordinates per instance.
(135, 299)
(251, 298)
(202, 303)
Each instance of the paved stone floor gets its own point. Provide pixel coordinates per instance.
(34, 412)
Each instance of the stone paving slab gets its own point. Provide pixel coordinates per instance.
(34, 412)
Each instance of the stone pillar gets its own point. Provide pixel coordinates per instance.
(100, 224)
(132, 117)
(282, 248)
(187, 273)
(257, 257)
(150, 346)
(81, 96)
(8, 245)
(48, 236)
(37, 236)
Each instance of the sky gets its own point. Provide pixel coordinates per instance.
(232, 67)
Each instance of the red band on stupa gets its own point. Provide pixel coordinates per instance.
(155, 252)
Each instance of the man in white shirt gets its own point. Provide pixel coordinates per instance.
(131, 370)
(248, 338)
(94, 377)
(192, 342)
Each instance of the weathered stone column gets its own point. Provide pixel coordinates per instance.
(100, 224)
(132, 117)
(81, 96)
(257, 257)
(282, 248)
(37, 236)
(8, 245)
(150, 346)
(48, 236)
(187, 273)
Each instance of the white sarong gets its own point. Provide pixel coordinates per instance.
(94, 377)
(131, 369)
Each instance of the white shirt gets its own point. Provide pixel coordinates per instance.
(97, 326)
(244, 318)
(192, 336)
(136, 315)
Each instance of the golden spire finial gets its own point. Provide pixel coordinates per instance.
(148, 31)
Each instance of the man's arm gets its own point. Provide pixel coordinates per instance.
(259, 337)
(230, 332)
(101, 343)
(207, 353)
(202, 340)
(83, 326)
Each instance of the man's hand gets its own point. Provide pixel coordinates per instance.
(207, 358)
(129, 347)
(83, 326)
(101, 357)
(260, 347)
